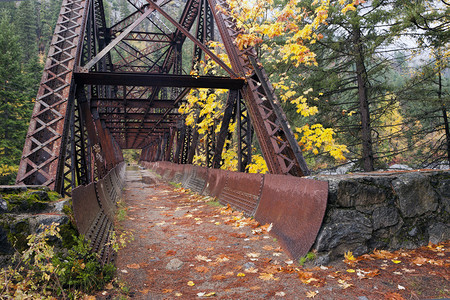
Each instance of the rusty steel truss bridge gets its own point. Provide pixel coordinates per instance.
(105, 89)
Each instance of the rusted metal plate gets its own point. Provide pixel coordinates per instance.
(215, 182)
(242, 191)
(85, 207)
(296, 207)
(197, 181)
(104, 198)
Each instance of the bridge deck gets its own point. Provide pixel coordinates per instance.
(179, 238)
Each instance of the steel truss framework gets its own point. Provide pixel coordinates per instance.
(110, 88)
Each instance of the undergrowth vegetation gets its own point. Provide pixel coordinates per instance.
(43, 272)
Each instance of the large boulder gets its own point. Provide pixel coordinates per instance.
(415, 194)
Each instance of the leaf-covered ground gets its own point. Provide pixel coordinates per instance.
(189, 247)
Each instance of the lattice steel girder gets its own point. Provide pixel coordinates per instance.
(161, 80)
(280, 150)
(42, 150)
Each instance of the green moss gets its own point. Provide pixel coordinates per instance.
(18, 233)
(214, 203)
(308, 257)
(175, 184)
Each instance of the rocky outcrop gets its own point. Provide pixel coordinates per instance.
(22, 212)
(385, 211)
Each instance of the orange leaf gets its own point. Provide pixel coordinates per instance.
(171, 253)
(212, 238)
(219, 277)
(133, 266)
(201, 269)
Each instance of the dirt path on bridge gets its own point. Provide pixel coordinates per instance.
(187, 247)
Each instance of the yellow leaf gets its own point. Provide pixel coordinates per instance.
(190, 283)
(351, 271)
(240, 275)
(396, 261)
(349, 256)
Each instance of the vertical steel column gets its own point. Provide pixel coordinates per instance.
(47, 134)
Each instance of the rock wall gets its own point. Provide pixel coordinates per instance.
(22, 211)
(383, 210)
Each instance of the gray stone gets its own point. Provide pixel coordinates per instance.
(399, 167)
(415, 194)
(42, 195)
(439, 232)
(344, 227)
(322, 260)
(5, 245)
(38, 222)
(174, 264)
(444, 191)
(413, 232)
(248, 265)
(59, 205)
(363, 192)
(384, 217)
(3, 205)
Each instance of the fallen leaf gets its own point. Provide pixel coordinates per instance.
(212, 238)
(419, 260)
(276, 254)
(210, 294)
(190, 283)
(133, 266)
(222, 258)
(201, 269)
(344, 284)
(289, 262)
(109, 286)
(268, 247)
(178, 294)
(239, 235)
(280, 294)
(165, 291)
(144, 291)
(219, 277)
(267, 276)
(393, 296)
(171, 253)
(253, 255)
(202, 258)
(251, 270)
(240, 275)
(400, 287)
(311, 294)
(351, 271)
(229, 273)
(396, 261)
(349, 258)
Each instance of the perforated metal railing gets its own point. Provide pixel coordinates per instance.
(94, 207)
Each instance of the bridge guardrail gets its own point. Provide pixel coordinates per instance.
(94, 206)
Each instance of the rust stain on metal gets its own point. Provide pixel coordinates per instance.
(296, 207)
(242, 191)
(85, 207)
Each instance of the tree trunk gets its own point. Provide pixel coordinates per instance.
(361, 75)
(444, 115)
